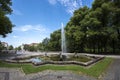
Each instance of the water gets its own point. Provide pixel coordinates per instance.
(35, 60)
(63, 39)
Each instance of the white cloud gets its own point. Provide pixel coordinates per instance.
(25, 28)
(15, 36)
(52, 2)
(71, 5)
(28, 34)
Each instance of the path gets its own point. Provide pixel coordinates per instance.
(59, 75)
(16, 74)
(113, 72)
(11, 74)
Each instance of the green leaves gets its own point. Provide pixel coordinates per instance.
(11, 47)
(5, 23)
(5, 6)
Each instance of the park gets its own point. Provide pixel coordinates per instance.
(86, 48)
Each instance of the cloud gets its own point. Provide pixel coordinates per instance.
(25, 28)
(28, 34)
(71, 5)
(15, 36)
(52, 2)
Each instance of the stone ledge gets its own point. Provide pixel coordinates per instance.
(69, 62)
(17, 61)
(55, 62)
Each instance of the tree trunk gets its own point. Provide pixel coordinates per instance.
(93, 48)
(113, 45)
(98, 47)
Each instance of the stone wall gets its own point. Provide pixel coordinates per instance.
(69, 62)
(96, 59)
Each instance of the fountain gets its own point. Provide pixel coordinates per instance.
(63, 42)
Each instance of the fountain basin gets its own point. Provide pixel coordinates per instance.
(54, 59)
(70, 62)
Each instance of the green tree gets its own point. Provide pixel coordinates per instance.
(26, 47)
(11, 47)
(45, 43)
(18, 48)
(55, 41)
(98, 21)
(31, 48)
(40, 47)
(75, 34)
(5, 23)
(1, 46)
(115, 13)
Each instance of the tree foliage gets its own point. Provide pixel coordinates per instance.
(5, 23)
(11, 47)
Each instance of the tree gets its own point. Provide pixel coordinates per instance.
(18, 48)
(45, 44)
(74, 32)
(25, 47)
(1, 46)
(115, 24)
(32, 48)
(40, 47)
(98, 21)
(11, 47)
(55, 41)
(5, 23)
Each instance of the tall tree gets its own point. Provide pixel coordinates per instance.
(5, 23)
(45, 43)
(75, 33)
(55, 41)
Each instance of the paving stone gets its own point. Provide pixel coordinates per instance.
(2, 76)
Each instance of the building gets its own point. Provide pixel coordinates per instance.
(4, 44)
(33, 44)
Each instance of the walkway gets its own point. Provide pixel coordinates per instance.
(113, 72)
(59, 75)
(11, 74)
(16, 74)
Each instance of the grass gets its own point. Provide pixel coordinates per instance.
(72, 58)
(80, 58)
(94, 70)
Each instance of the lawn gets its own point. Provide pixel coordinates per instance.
(71, 58)
(94, 70)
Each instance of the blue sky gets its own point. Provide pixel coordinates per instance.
(36, 19)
